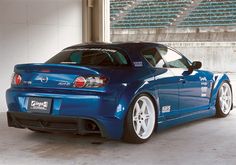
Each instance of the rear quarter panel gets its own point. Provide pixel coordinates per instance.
(134, 82)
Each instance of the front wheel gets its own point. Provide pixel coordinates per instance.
(140, 120)
(224, 100)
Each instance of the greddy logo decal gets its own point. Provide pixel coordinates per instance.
(39, 105)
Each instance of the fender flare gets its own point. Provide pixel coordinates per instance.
(130, 94)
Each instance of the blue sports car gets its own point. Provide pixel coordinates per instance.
(119, 90)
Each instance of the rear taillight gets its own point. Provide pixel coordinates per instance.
(79, 82)
(17, 79)
(90, 82)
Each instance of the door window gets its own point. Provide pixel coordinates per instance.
(153, 57)
(173, 59)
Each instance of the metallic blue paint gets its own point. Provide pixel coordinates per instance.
(108, 105)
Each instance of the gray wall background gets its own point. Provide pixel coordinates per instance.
(214, 46)
(33, 31)
(215, 56)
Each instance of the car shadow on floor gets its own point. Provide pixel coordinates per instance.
(96, 139)
(68, 146)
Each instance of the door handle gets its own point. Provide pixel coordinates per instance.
(182, 80)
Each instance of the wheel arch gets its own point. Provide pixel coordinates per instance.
(131, 99)
(152, 97)
(127, 136)
(219, 79)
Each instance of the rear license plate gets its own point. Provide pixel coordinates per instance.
(39, 105)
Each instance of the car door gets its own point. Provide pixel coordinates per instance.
(194, 89)
(165, 84)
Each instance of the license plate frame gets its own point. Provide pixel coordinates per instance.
(39, 105)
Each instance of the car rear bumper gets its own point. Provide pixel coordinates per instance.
(76, 125)
(48, 123)
(77, 113)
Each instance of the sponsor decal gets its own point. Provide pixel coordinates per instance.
(204, 83)
(138, 63)
(204, 95)
(204, 87)
(203, 78)
(27, 82)
(166, 109)
(92, 49)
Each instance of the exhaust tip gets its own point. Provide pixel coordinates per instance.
(91, 126)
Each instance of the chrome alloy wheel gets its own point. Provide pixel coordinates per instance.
(225, 98)
(144, 117)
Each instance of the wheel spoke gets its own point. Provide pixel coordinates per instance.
(138, 128)
(229, 98)
(135, 118)
(143, 108)
(137, 107)
(144, 126)
(222, 91)
(147, 116)
(225, 91)
(225, 106)
(222, 104)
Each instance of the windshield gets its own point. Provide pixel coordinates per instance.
(90, 57)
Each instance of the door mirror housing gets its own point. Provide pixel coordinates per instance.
(196, 65)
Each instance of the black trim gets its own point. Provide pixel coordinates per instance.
(50, 123)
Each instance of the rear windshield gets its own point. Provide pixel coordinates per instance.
(90, 57)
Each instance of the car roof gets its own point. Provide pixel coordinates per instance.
(122, 45)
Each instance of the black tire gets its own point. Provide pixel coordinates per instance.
(219, 111)
(130, 135)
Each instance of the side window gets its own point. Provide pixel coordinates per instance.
(173, 59)
(153, 57)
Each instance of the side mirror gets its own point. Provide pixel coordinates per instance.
(196, 65)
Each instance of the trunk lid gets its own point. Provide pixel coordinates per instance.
(54, 76)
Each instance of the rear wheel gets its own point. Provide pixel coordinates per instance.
(140, 120)
(224, 100)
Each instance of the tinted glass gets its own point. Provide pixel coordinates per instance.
(90, 57)
(173, 59)
(153, 57)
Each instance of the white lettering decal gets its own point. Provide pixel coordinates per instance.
(166, 109)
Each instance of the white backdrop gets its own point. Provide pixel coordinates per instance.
(33, 31)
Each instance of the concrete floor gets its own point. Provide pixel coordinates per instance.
(208, 141)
